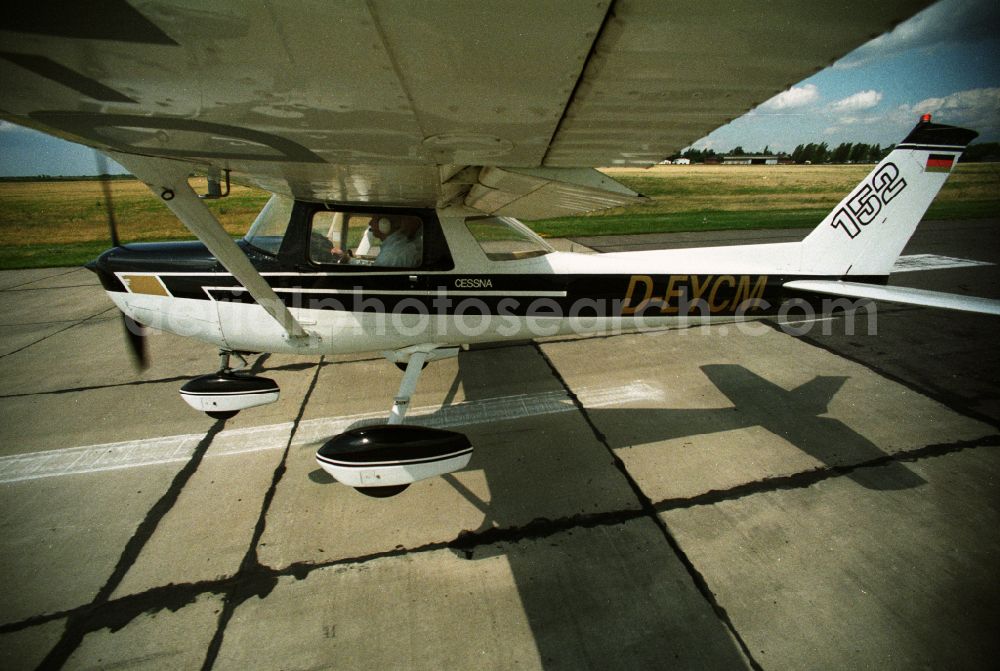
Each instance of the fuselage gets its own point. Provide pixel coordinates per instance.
(468, 292)
(363, 277)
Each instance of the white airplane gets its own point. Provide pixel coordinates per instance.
(401, 145)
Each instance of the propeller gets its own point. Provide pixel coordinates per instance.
(135, 333)
(102, 171)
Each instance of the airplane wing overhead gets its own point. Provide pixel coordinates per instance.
(388, 101)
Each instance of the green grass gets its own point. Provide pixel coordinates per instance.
(63, 223)
(634, 224)
(975, 209)
(722, 220)
(14, 257)
(46, 256)
(708, 198)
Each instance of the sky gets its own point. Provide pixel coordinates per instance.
(945, 61)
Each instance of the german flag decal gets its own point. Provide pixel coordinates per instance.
(940, 163)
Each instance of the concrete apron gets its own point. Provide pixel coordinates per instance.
(685, 499)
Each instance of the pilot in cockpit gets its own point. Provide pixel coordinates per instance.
(400, 241)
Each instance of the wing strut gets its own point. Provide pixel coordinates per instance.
(168, 180)
(415, 358)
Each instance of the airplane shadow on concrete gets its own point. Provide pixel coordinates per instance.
(797, 416)
(571, 590)
(628, 601)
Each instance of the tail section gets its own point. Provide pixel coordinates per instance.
(866, 232)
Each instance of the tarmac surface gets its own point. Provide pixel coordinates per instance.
(789, 497)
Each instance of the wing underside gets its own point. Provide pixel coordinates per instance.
(904, 295)
(388, 101)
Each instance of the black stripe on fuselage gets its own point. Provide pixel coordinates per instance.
(193, 285)
(512, 295)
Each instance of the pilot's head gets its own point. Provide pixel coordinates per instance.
(382, 226)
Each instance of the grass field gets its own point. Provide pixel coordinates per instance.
(707, 197)
(65, 223)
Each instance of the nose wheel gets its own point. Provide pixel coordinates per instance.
(223, 394)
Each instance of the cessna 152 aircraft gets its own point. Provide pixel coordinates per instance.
(402, 143)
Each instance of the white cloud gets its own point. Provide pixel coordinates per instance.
(844, 122)
(797, 96)
(974, 100)
(862, 100)
(978, 109)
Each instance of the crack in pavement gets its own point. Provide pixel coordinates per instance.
(83, 622)
(63, 286)
(139, 383)
(649, 511)
(175, 378)
(250, 565)
(255, 579)
(42, 279)
(949, 400)
(805, 479)
(54, 333)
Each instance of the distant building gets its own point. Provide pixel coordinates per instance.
(749, 160)
(682, 161)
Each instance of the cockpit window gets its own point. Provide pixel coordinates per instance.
(366, 239)
(506, 239)
(268, 229)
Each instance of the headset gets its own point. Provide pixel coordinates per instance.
(384, 226)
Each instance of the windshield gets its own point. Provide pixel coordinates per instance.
(268, 229)
(506, 239)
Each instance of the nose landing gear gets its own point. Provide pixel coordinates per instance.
(224, 393)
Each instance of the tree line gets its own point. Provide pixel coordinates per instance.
(845, 152)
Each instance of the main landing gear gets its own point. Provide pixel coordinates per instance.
(380, 460)
(223, 394)
(385, 459)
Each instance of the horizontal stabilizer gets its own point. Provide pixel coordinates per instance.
(931, 299)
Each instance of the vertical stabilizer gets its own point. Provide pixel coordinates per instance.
(866, 232)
